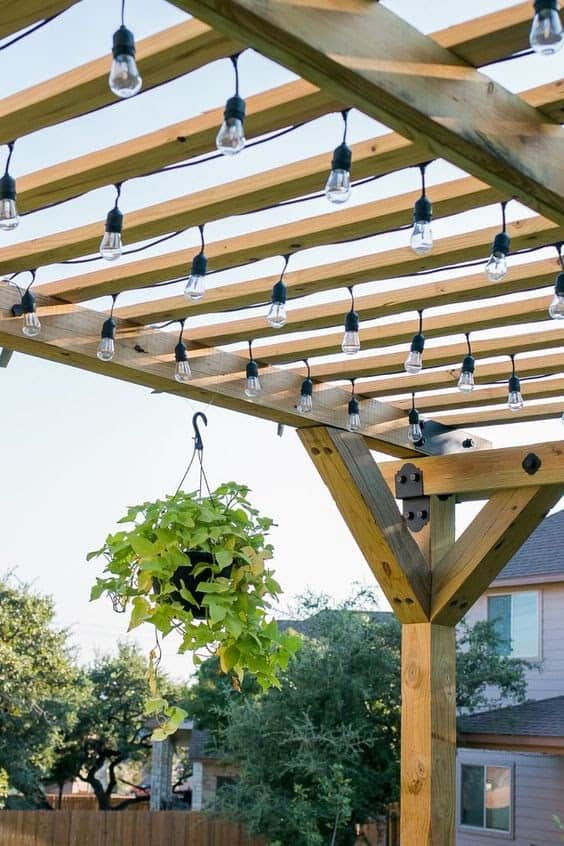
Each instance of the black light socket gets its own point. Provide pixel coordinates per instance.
(279, 292)
(342, 158)
(413, 417)
(7, 187)
(423, 210)
(199, 265)
(352, 322)
(114, 220)
(181, 352)
(307, 387)
(124, 42)
(108, 328)
(514, 384)
(25, 306)
(418, 343)
(543, 5)
(252, 370)
(468, 364)
(559, 285)
(501, 244)
(235, 108)
(354, 407)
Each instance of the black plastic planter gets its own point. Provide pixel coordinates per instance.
(184, 578)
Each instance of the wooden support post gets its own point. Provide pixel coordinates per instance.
(428, 735)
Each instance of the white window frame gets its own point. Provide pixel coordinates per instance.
(512, 593)
(487, 832)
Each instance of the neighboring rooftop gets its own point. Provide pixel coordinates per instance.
(542, 554)
(542, 718)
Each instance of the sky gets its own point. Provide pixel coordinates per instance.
(78, 448)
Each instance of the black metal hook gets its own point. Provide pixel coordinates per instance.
(198, 443)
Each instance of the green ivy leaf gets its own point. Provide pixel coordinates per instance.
(142, 546)
(141, 611)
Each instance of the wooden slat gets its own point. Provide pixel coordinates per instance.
(490, 37)
(532, 412)
(369, 268)
(161, 57)
(409, 82)
(549, 99)
(461, 289)
(368, 508)
(16, 15)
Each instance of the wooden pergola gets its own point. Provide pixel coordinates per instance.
(437, 103)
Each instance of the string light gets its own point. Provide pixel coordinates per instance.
(252, 382)
(111, 244)
(305, 404)
(414, 430)
(338, 187)
(414, 361)
(514, 397)
(466, 379)
(124, 79)
(231, 136)
(546, 36)
(556, 307)
(26, 308)
(196, 285)
(496, 267)
(106, 347)
(353, 422)
(276, 316)
(421, 241)
(9, 217)
(351, 340)
(182, 372)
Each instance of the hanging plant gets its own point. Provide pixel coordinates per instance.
(195, 565)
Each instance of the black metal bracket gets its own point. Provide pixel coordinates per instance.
(409, 488)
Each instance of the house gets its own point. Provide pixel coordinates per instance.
(209, 771)
(511, 760)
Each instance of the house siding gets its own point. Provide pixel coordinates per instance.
(538, 790)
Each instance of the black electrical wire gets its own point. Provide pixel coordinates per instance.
(128, 252)
(30, 31)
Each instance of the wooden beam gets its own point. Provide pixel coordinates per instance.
(369, 510)
(405, 79)
(485, 470)
(428, 735)
(369, 268)
(532, 412)
(161, 57)
(548, 99)
(16, 15)
(485, 39)
(489, 542)
(483, 395)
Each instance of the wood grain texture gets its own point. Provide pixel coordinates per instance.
(485, 547)
(19, 14)
(533, 411)
(428, 735)
(409, 82)
(369, 510)
(487, 38)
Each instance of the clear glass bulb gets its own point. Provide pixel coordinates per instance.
(31, 325)
(106, 349)
(231, 137)
(195, 287)
(421, 241)
(413, 362)
(338, 187)
(546, 35)
(351, 343)
(354, 423)
(515, 400)
(556, 308)
(9, 218)
(414, 433)
(111, 246)
(466, 381)
(496, 268)
(277, 315)
(252, 386)
(182, 372)
(305, 405)
(124, 79)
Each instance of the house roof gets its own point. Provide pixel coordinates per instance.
(542, 718)
(541, 555)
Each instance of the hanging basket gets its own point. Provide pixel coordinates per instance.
(185, 582)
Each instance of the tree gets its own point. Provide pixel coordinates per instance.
(40, 689)
(322, 752)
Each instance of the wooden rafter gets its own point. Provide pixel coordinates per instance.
(490, 37)
(532, 412)
(19, 14)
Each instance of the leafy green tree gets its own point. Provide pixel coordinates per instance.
(40, 689)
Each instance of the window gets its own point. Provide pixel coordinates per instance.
(485, 797)
(516, 619)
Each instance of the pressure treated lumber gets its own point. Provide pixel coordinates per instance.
(489, 542)
(16, 15)
(482, 40)
(532, 412)
(409, 82)
(369, 510)
(428, 735)
(161, 57)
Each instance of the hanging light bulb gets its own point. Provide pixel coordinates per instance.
(111, 243)
(514, 397)
(414, 430)
(546, 36)
(106, 347)
(338, 187)
(414, 361)
(276, 316)
(351, 340)
(26, 309)
(252, 381)
(231, 136)
(196, 285)
(305, 404)
(9, 217)
(496, 267)
(421, 241)
(182, 372)
(466, 378)
(353, 422)
(124, 79)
